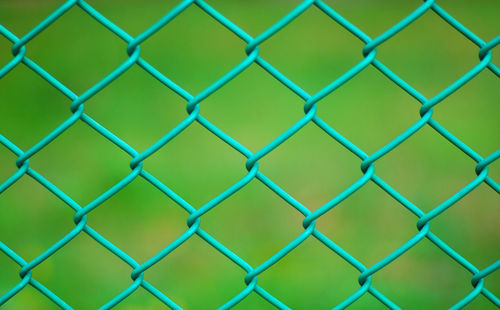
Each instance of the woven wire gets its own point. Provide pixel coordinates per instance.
(252, 164)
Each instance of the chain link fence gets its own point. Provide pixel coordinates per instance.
(194, 102)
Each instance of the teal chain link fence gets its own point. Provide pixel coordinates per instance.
(193, 108)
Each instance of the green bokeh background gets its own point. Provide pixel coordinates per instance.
(194, 50)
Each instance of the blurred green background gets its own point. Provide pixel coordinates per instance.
(194, 50)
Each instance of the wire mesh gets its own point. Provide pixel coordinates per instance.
(81, 212)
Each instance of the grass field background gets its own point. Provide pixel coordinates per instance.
(194, 50)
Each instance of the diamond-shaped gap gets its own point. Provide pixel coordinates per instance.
(197, 165)
(5, 51)
(470, 226)
(481, 302)
(311, 166)
(478, 17)
(140, 299)
(242, 13)
(96, 274)
(373, 17)
(254, 108)
(471, 113)
(29, 298)
(151, 219)
(423, 278)
(131, 16)
(308, 51)
(367, 301)
(21, 16)
(147, 109)
(10, 273)
(369, 110)
(254, 223)
(194, 50)
(32, 218)
(77, 50)
(197, 276)
(26, 117)
(369, 224)
(494, 170)
(426, 169)
(429, 54)
(8, 160)
(254, 301)
(330, 279)
(82, 163)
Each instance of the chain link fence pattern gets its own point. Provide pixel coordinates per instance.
(193, 109)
